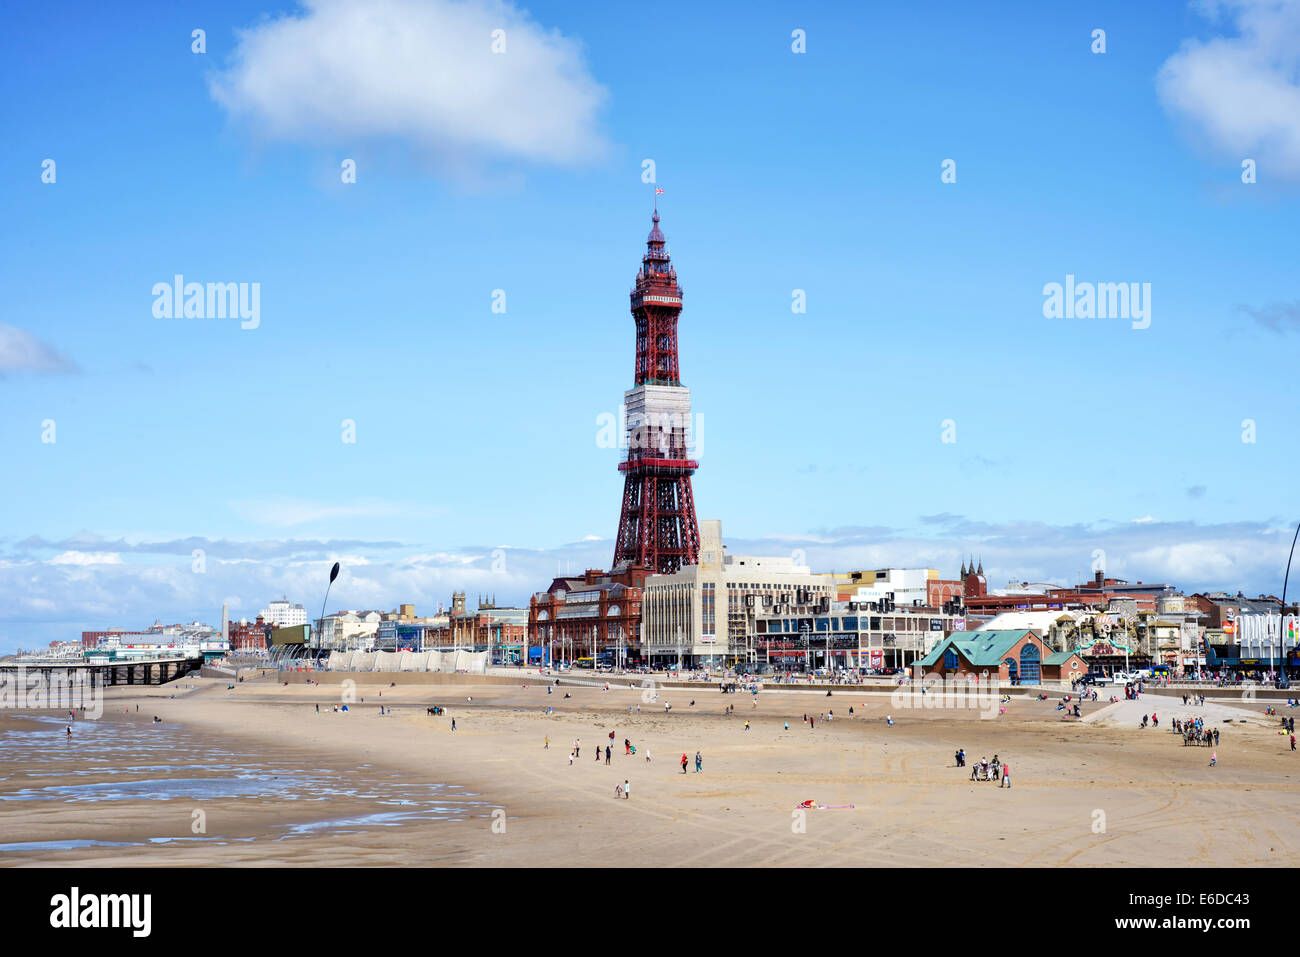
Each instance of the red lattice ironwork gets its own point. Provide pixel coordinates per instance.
(657, 528)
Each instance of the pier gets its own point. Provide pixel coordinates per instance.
(104, 674)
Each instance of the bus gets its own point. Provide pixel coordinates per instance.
(585, 663)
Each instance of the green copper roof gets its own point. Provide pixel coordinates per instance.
(983, 649)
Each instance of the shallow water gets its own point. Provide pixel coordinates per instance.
(110, 761)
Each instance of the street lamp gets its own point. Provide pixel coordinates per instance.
(1283, 681)
(333, 574)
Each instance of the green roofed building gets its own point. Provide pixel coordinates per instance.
(1015, 656)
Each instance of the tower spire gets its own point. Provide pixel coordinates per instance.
(658, 527)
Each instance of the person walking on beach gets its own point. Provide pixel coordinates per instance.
(627, 746)
(570, 759)
(547, 745)
(1214, 759)
(647, 755)
(699, 762)
(627, 790)
(746, 725)
(577, 747)
(1293, 742)
(453, 724)
(608, 752)
(1006, 775)
(683, 762)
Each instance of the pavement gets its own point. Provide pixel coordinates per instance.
(1128, 714)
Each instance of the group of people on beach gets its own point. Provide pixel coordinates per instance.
(1195, 732)
(1071, 711)
(1288, 725)
(986, 770)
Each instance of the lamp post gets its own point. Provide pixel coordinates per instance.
(333, 574)
(1283, 681)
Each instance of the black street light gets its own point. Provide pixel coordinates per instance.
(334, 573)
(1283, 681)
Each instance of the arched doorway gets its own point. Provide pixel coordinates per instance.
(1030, 661)
(1013, 671)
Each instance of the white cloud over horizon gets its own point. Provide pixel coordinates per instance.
(49, 589)
(86, 558)
(341, 73)
(1240, 95)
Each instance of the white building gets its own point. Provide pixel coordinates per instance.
(1056, 628)
(348, 631)
(283, 614)
(1258, 636)
(700, 615)
(849, 634)
(902, 586)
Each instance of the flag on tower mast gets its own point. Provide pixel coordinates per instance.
(658, 190)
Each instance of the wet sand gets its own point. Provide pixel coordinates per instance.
(1099, 792)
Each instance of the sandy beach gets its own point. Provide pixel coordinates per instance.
(404, 789)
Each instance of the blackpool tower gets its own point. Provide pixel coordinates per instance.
(657, 528)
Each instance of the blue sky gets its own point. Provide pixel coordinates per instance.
(522, 171)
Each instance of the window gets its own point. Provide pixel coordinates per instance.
(1029, 663)
(950, 660)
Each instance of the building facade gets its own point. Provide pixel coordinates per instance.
(284, 614)
(596, 616)
(806, 636)
(703, 615)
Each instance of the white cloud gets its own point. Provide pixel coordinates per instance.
(20, 351)
(1241, 94)
(340, 72)
(86, 558)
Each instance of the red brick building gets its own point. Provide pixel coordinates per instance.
(1015, 656)
(597, 614)
(940, 590)
(1094, 594)
(250, 635)
(91, 639)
